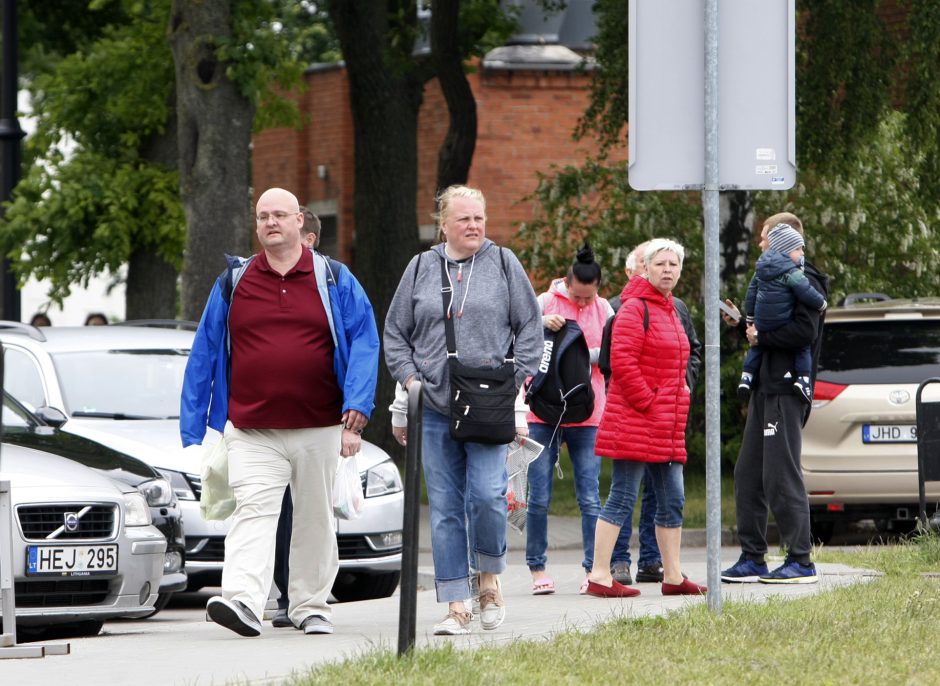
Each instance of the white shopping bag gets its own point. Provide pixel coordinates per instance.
(348, 500)
(522, 451)
(217, 500)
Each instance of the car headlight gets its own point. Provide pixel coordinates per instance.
(179, 484)
(382, 479)
(136, 510)
(157, 492)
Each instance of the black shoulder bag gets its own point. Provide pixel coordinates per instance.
(482, 400)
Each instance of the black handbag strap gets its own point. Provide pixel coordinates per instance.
(446, 292)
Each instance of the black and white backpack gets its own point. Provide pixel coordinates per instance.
(561, 390)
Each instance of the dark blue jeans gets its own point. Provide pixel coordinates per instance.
(649, 548)
(282, 549)
(586, 468)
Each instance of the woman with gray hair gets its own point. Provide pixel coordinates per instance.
(644, 420)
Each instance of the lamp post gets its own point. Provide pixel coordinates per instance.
(11, 136)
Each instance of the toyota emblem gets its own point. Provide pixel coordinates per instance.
(899, 397)
(71, 521)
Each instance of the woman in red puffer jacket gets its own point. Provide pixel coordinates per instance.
(644, 420)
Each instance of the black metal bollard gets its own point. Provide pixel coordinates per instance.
(928, 445)
(408, 598)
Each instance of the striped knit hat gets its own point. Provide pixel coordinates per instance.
(785, 239)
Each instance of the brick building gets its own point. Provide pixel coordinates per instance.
(529, 97)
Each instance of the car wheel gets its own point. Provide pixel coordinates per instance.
(353, 586)
(821, 531)
(161, 603)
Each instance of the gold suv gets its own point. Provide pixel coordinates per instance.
(860, 444)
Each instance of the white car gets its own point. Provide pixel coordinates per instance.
(120, 386)
(84, 549)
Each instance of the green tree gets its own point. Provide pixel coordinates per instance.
(387, 78)
(849, 63)
(102, 189)
(105, 184)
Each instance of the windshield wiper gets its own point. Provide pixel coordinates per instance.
(112, 415)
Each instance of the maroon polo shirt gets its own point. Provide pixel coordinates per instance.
(282, 351)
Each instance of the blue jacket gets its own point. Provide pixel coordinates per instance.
(777, 285)
(204, 399)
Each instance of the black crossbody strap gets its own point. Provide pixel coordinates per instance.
(446, 291)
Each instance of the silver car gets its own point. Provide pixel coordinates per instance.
(120, 386)
(84, 549)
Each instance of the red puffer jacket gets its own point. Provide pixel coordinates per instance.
(648, 401)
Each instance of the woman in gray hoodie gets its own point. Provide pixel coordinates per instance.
(491, 305)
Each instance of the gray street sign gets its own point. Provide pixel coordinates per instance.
(756, 94)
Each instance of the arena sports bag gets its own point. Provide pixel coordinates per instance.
(482, 400)
(561, 393)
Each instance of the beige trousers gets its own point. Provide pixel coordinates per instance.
(261, 464)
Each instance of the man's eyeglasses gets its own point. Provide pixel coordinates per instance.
(279, 216)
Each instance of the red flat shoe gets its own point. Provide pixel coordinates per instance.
(685, 588)
(615, 590)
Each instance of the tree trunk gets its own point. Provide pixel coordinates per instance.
(384, 99)
(151, 287)
(215, 123)
(456, 154)
(736, 219)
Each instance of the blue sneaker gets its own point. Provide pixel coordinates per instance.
(791, 572)
(744, 571)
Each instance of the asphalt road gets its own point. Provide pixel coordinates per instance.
(178, 646)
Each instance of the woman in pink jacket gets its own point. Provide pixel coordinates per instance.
(574, 297)
(644, 420)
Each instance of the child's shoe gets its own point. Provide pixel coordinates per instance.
(803, 388)
(744, 387)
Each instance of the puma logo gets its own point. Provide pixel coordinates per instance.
(771, 429)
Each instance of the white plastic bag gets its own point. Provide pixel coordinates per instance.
(217, 500)
(348, 500)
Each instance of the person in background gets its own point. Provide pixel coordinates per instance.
(573, 297)
(310, 236)
(284, 363)
(768, 477)
(649, 566)
(493, 309)
(40, 319)
(644, 421)
(96, 319)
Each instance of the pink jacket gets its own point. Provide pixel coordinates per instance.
(591, 319)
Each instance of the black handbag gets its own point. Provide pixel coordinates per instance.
(482, 399)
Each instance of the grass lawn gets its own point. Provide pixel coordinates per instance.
(565, 504)
(880, 632)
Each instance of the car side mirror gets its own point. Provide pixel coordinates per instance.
(51, 415)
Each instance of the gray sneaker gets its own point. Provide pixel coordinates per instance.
(315, 624)
(621, 573)
(233, 615)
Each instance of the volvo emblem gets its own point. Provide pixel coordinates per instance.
(71, 521)
(899, 397)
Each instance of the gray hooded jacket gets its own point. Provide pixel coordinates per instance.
(488, 307)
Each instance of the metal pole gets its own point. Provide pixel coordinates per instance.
(712, 350)
(408, 591)
(11, 136)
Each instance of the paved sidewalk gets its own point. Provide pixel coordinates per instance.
(179, 647)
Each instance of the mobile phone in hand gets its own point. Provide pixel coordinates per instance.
(736, 316)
